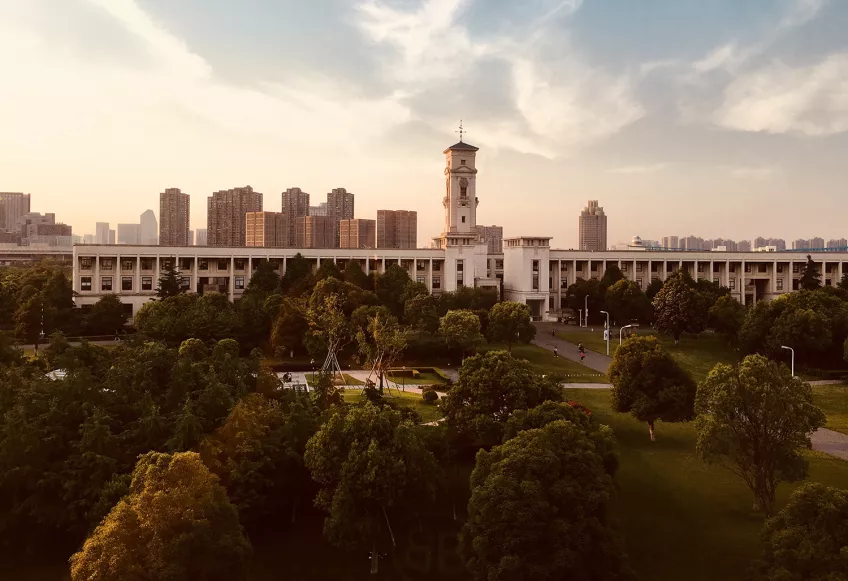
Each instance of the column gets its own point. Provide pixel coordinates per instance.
(368, 265)
(839, 271)
(137, 284)
(823, 272)
(195, 283)
(604, 267)
(284, 267)
(634, 272)
(232, 284)
(574, 271)
(742, 282)
(429, 277)
(117, 287)
(712, 266)
(383, 265)
(158, 272)
(727, 273)
(774, 277)
(696, 270)
(650, 271)
(95, 286)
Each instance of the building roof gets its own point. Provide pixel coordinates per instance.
(461, 147)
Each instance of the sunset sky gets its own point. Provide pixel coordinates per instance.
(719, 118)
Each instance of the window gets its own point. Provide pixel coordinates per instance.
(239, 283)
(638, 267)
(761, 268)
(106, 283)
(146, 264)
(715, 280)
(535, 275)
(437, 266)
(126, 265)
(222, 264)
(732, 268)
(146, 283)
(551, 303)
(239, 263)
(732, 283)
(463, 219)
(85, 283)
(462, 162)
(779, 268)
(563, 284)
(165, 263)
(437, 283)
(185, 282)
(185, 263)
(85, 263)
(106, 263)
(780, 284)
(203, 264)
(420, 279)
(421, 266)
(747, 268)
(828, 282)
(796, 284)
(716, 268)
(126, 283)
(463, 191)
(796, 268)
(498, 264)
(639, 282)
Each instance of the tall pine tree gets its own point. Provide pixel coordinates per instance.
(811, 277)
(170, 284)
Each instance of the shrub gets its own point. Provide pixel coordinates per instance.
(429, 395)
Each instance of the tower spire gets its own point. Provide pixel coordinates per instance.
(461, 131)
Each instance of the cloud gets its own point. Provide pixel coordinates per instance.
(639, 169)
(777, 98)
(752, 172)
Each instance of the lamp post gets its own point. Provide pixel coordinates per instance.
(586, 310)
(793, 357)
(621, 333)
(607, 331)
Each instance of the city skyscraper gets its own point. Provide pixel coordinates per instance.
(817, 242)
(13, 205)
(129, 233)
(200, 237)
(101, 232)
(111, 236)
(492, 236)
(295, 205)
(357, 233)
(837, 243)
(800, 244)
(174, 212)
(592, 227)
(148, 229)
(226, 212)
(319, 210)
(265, 229)
(397, 229)
(340, 207)
(315, 232)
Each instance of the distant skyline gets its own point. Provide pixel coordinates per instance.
(718, 119)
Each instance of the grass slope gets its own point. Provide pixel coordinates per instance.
(833, 399)
(543, 361)
(428, 412)
(681, 518)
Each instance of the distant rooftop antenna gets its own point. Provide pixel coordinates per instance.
(461, 131)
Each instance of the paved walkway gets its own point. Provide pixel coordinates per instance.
(568, 350)
(830, 442)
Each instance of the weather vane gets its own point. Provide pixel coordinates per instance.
(461, 131)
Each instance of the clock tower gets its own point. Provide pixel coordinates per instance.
(460, 200)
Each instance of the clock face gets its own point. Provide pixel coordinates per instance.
(463, 183)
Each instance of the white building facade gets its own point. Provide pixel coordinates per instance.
(528, 270)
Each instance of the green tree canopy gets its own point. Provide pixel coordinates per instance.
(106, 316)
(391, 288)
(510, 322)
(461, 330)
(421, 312)
(577, 293)
(328, 269)
(297, 279)
(289, 327)
(354, 274)
(649, 384)
(539, 509)
(491, 388)
(611, 276)
(755, 419)
(175, 523)
(679, 308)
(806, 540)
(368, 461)
(626, 302)
(170, 282)
(264, 280)
(810, 277)
(726, 316)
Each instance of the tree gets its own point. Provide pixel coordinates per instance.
(806, 540)
(354, 275)
(258, 455)
(381, 344)
(678, 308)
(368, 461)
(611, 276)
(510, 322)
(106, 316)
(421, 312)
(649, 384)
(491, 388)
(170, 283)
(539, 509)
(755, 419)
(843, 284)
(175, 523)
(584, 292)
(289, 327)
(653, 289)
(726, 316)
(626, 302)
(328, 269)
(264, 279)
(461, 330)
(29, 316)
(325, 393)
(297, 279)
(391, 288)
(810, 277)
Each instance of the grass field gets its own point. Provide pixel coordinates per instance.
(425, 378)
(348, 380)
(681, 518)
(833, 399)
(543, 361)
(697, 355)
(428, 412)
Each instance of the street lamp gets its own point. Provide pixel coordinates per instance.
(621, 333)
(793, 357)
(607, 331)
(586, 310)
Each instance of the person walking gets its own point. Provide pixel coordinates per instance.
(556, 353)
(582, 351)
(553, 332)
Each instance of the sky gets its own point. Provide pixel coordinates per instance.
(719, 118)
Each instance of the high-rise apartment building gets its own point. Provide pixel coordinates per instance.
(800, 244)
(13, 205)
(191, 237)
(397, 229)
(492, 236)
(319, 210)
(315, 232)
(837, 243)
(340, 207)
(200, 238)
(295, 205)
(226, 211)
(129, 234)
(816, 242)
(174, 212)
(112, 236)
(592, 227)
(357, 233)
(265, 229)
(148, 229)
(101, 232)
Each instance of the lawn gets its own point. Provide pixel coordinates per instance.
(833, 399)
(348, 380)
(409, 399)
(543, 361)
(681, 518)
(696, 354)
(424, 378)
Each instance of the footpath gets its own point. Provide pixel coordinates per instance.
(823, 440)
